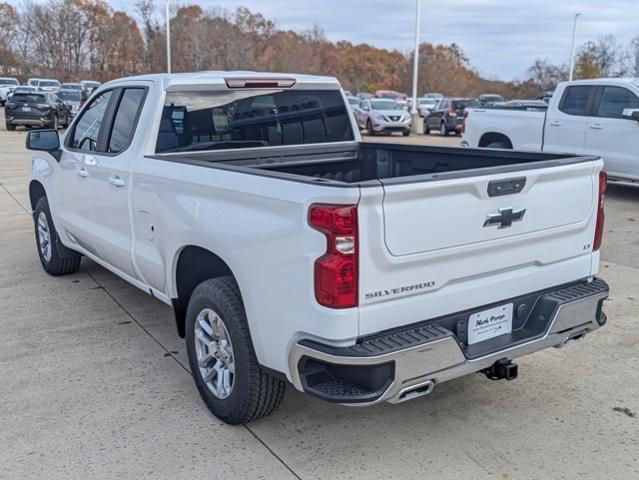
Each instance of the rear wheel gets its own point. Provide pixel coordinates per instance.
(55, 261)
(443, 129)
(55, 124)
(223, 362)
(426, 128)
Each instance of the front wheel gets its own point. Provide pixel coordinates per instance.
(55, 260)
(223, 362)
(443, 129)
(54, 124)
(406, 133)
(10, 126)
(369, 128)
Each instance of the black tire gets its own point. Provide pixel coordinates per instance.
(443, 129)
(501, 145)
(369, 128)
(57, 263)
(406, 134)
(254, 392)
(55, 124)
(10, 126)
(426, 128)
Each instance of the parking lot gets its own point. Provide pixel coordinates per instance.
(95, 384)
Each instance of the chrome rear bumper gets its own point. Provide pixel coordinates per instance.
(434, 354)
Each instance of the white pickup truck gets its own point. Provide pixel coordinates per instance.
(292, 252)
(585, 117)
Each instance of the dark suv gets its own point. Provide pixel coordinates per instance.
(449, 115)
(36, 109)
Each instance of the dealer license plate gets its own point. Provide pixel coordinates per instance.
(490, 323)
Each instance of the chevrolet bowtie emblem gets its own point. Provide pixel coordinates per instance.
(504, 218)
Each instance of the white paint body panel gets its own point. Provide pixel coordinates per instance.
(410, 233)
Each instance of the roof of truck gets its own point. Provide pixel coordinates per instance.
(219, 77)
(605, 81)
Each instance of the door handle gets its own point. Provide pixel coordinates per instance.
(596, 126)
(555, 123)
(82, 173)
(116, 181)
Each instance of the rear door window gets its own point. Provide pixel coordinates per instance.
(614, 100)
(217, 120)
(577, 100)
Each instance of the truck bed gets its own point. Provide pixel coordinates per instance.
(368, 162)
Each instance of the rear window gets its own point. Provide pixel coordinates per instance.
(221, 120)
(28, 98)
(6, 81)
(49, 83)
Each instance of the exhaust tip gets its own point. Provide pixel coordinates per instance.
(415, 391)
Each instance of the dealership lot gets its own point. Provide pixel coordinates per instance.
(96, 383)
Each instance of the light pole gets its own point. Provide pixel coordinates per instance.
(168, 38)
(572, 47)
(415, 116)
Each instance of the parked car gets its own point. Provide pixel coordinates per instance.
(489, 99)
(293, 252)
(400, 98)
(44, 84)
(72, 98)
(364, 95)
(586, 117)
(84, 93)
(90, 85)
(352, 101)
(7, 86)
(449, 116)
(426, 105)
(383, 116)
(36, 109)
(434, 96)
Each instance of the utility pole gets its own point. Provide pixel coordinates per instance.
(168, 38)
(416, 124)
(572, 47)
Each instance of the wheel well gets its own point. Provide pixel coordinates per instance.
(194, 265)
(492, 137)
(36, 190)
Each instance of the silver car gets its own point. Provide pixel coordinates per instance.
(383, 116)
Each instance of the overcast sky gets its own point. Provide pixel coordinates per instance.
(500, 37)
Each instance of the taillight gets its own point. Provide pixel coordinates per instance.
(336, 272)
(603, 183)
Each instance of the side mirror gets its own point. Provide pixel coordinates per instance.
(45, 141)
(631, 113)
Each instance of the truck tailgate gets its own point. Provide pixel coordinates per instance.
(447, 244)
(443, 216)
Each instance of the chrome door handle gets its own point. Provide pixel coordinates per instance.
(596, 126)
(555, 123)
(117, 181)
(82, 173)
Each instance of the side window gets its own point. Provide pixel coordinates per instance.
(87, 129)
(614, 100)
(125, 119)
(576, 100)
